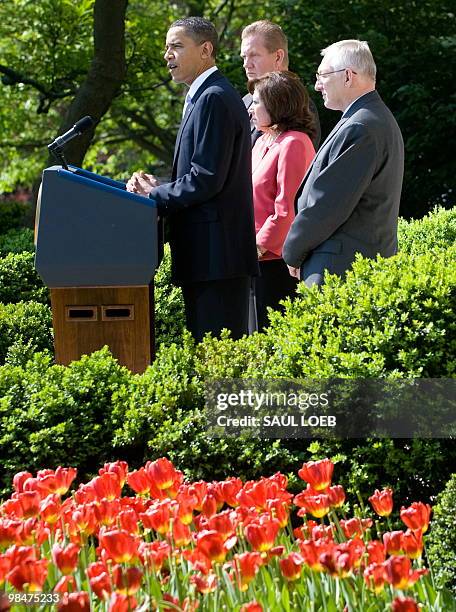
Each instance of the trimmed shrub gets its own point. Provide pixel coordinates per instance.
(19, 281)
(392, 317)
(25, 328)
(169, 304)
(437, 230)
(17, 241)
(441, 545)
(12, 214)
(55, 415)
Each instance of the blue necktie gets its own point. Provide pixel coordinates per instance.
(188, 100)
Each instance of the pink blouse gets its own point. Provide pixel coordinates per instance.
(277, 172)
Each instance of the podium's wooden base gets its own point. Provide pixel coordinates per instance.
(87, 318)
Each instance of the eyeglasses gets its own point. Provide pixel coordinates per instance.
(318, 75)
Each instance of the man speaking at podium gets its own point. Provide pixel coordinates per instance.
(208, 203)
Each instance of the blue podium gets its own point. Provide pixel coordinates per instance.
(97, 251)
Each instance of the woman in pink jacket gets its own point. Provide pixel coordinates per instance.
(280, 158)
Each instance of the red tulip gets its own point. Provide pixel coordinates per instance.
(355, 526)
(198, 490)
(19, 480)
(107, 486)
(185, 506)
(66, 584)
(224, 523)
(106, 511)
(182, 536)
(158, 517)
(336, 496)
(5, 565)
(74, 602)
(57, 482)
(376, 552)
(375, 576)
(162, 473)
(311, 551)
(28, 504)
(417, 516)
(399, 572)
(9, 532)
(127, 581)
(66, 559)
(209, 506)
(30, 575)
(229, 489)
(404, 604)
(316, 505)
(393, 542)
(212, 544)
(119, 468)
(252, 606)
(50, 509)
(291, 566)
(317, 473)
(120, 546)
(279, 510)
(382, 502)
(139, 481)
(122, 603)
(261, 534)
(153, 554)
(412, 543)
(246, 566)
(85, 520)
(204, 584)
(128, 521)
(99, 579)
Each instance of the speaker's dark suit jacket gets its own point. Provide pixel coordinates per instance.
(255, 134)
(208, 204)
(349, 199)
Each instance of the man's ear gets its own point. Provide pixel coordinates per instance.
(207, 49)
(280, 56)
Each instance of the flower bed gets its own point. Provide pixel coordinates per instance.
(223, 545)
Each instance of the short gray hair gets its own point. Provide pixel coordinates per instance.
(352, 54)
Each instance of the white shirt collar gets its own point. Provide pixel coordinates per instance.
(355, 100)
(200, 80)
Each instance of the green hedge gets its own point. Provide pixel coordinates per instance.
(19, 281)
(54, 415)
(441, 544)
(17, 241)
(13, 214)
(390, 318)
(435, 231)
(25, 328)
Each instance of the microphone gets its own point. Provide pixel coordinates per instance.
(78, 128)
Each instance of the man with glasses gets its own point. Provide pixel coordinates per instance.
(349, 200)
(264, 48)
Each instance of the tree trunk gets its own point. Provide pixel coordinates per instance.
(105, 77)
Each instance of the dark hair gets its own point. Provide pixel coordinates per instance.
(200, 30)
(286, 100)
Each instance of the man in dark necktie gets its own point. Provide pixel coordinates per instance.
(208, 203)
(349, 200)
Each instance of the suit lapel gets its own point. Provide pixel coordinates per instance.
(215, 76)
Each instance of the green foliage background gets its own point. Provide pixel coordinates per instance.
(51, 43)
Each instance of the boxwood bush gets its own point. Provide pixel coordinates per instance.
(435, 231)
(17, 240)
(19, 281)
(441, 544)
(390, 318)
(24, 329)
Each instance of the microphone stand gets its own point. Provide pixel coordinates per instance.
(57, 152)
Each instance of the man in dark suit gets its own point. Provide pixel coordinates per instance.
(349, 200)
(264, 48)
(208, 203)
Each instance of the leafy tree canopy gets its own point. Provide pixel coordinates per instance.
(61, 59)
